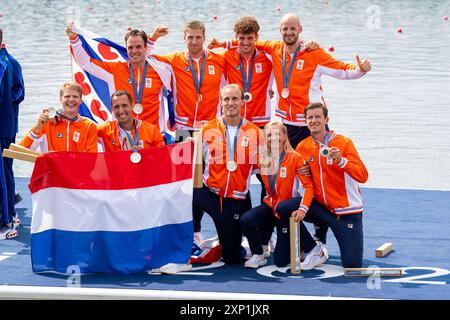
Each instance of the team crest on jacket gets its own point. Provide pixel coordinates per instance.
(300, 64)
(219, 139)
(245, 141)
(211, 70)
(238, 67)
(187, 69)
(59, 135)
(129, 81)
(113, 142)
(311, 159)
(258, 67)
(76, 136)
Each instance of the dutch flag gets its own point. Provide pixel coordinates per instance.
(103, 213)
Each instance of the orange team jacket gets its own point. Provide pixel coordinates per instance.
(114, 138)
(118, 77)
(289, 183)
(336, 185)
(79, 135)
(191, 112)
(258, 110)
(215, 175)
(305, 81)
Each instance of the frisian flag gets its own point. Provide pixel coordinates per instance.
(97, 93)
(109, 214)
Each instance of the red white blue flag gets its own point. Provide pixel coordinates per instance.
(103, 213)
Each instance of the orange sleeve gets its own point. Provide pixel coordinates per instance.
(307, 184)
(157, 140)
(352, 164)
(167, 58)
(30, 137)
(267, 45)
(92, 138)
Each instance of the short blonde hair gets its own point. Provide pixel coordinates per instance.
(70, 86)
(232, 86)
(266, 154)
(195, 24)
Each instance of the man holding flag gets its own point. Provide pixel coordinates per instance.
(148, 79)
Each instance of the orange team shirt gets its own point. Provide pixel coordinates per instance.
(119, 74)
(258, 110)
(336, 185)
(216, 176)
(305, 81)
(191, 112)
(79, 135)
(289, 183)
(114, 138)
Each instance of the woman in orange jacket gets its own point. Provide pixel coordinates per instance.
(279, 165)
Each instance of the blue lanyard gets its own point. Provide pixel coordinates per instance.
(134, 144)
(286, 77)
(273, 178)
(231, 147)
(60, 114)
(138, 96)
(247, 80)
(198, 83)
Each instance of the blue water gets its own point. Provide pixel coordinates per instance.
(397, 115)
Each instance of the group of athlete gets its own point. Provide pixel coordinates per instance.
(306, 170)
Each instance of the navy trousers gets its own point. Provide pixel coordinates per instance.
(7, 184)
(347, 229)
(226, 215)
(257, 225)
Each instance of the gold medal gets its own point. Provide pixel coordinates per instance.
(231, 166)
(138, 108)
(285, 93)
(135, 157)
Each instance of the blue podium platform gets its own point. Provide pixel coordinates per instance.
(417, 222)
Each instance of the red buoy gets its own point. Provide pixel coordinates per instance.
(331, 49)
(400, 30)
(446, 18)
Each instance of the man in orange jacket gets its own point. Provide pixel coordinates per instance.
(63, 130)
(141, 75)
(126, 132)
(336, 170)
(230, 145)
(199, 75)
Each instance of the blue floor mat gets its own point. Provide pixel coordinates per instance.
(417, 222)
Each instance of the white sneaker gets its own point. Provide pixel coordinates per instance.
(173, 268)
(198, 238)
(273, 242)
(266, 251)
(256, 261)
(315, 257)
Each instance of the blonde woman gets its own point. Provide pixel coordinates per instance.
(279, 165)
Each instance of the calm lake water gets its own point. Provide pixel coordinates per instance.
(398, 115)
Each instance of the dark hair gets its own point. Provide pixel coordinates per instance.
(119, 93)
(136, 33)
(317, 105)
(246, 25)
(1, 35)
